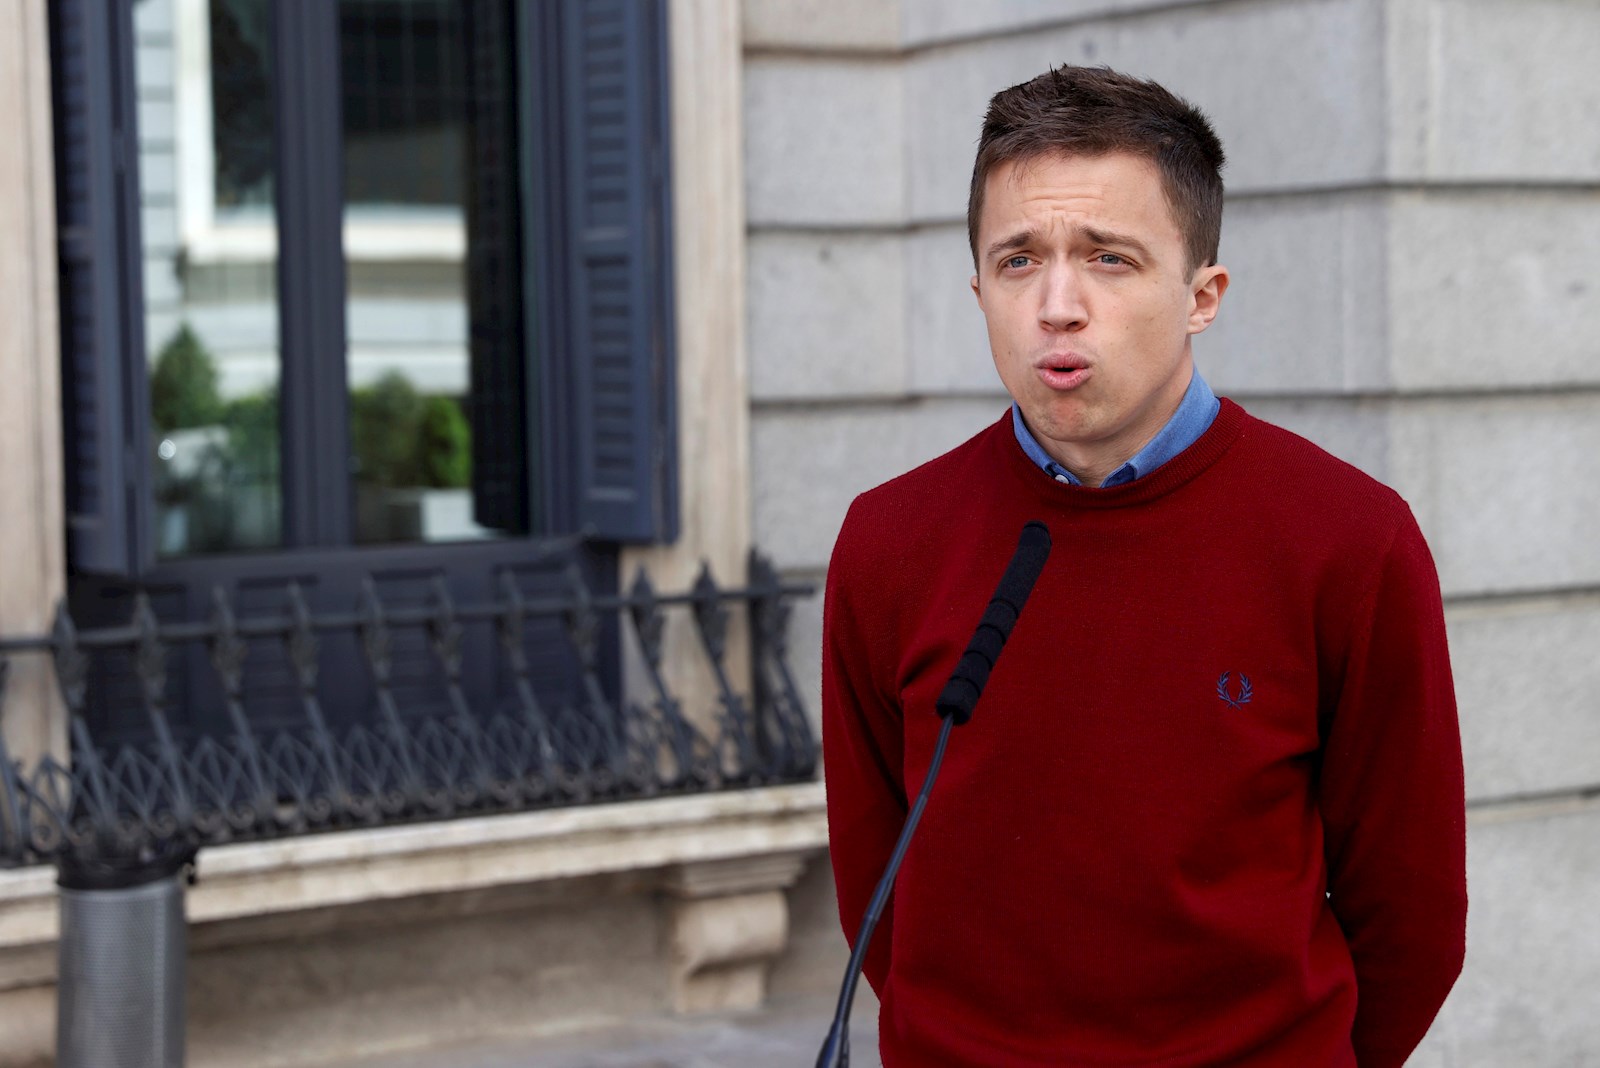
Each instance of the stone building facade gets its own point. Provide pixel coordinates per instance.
(1413, 227)
(1413, 230)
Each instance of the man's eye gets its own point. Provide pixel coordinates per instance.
(1016, 263)
(1110, 259)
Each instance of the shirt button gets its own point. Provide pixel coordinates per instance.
(1062, 478)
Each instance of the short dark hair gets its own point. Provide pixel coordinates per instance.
(1093, 111)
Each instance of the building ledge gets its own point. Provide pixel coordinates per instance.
(704, 832)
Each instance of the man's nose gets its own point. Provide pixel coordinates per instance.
(1061, 305)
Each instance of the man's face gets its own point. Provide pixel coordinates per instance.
(1083, 278)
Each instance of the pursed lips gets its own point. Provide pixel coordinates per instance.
(1063, 371)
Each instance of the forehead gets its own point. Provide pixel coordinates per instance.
(1116, 189)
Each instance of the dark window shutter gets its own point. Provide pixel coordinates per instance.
(619, 318)
(102, 347)
(499, 368)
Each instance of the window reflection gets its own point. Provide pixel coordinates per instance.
(406, 98)
(207, 163)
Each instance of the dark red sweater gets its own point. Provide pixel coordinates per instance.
(1209, 810)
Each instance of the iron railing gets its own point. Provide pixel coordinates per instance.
(168, 794)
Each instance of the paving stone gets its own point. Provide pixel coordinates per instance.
(785, 1034)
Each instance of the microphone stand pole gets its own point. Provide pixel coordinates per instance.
(835, 1051)
(955, 705)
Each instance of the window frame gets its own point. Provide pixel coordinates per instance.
(111, 544)
(565, 494)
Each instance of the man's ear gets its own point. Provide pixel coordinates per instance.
(1205, 296)
(977, 292)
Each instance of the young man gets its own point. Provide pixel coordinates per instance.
(1210, 808)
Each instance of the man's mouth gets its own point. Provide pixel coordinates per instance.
(1063, 372)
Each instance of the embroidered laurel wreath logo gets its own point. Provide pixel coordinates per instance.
(1225, 691)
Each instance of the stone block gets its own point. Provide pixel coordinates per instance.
(434, 972)
(822, 24)
(1497, 483)
(1356, 430)
(1305, 313)
(827, 314)
(810, 462)
(158, 175)
(1305, 307)
(1495, 289)
(1295, 90)
(153, 68)
(1493, 90)
(158, 221)
(932, 21)
(28, 1027)
(162, 290)
(728, 920)
(157, 121)
(1502, 488)
(824, 141)
(1494, 482)
(1527, 993)
(1526, 683)
(948, 350)
(153, 20)
(384, 321)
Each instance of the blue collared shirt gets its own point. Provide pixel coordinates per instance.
(1194, 416)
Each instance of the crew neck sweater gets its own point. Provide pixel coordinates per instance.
(1210, 806)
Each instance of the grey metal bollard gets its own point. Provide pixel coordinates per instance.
(123, 948)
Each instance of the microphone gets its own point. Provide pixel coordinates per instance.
(960, 694)
(955, 706)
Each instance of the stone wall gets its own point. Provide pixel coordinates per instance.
(1413, 227)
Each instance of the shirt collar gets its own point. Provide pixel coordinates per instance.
(1194, 416)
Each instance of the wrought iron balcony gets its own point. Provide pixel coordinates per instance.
(169, 792)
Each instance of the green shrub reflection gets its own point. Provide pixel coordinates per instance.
(218, 462)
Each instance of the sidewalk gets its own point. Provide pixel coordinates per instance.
(777, 1036)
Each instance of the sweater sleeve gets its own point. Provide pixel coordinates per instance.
(1393, 807)
(861, 740)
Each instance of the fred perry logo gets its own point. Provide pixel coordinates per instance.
(1226, 692)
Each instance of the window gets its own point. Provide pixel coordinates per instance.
(374, 287)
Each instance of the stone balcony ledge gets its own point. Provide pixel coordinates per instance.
(739, 847)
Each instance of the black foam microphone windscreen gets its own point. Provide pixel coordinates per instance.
(966, 683)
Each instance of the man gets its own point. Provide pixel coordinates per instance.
(1210, 808)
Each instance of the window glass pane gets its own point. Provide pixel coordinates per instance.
(206, 166)
(410, 177)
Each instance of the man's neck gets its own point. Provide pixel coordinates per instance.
(1093, 464)
(1196, 411)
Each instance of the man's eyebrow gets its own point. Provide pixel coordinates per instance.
(1111, 237)
(1020, 239)
(1094, 235)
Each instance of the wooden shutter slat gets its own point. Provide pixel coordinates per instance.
(616, 210)
(104, 386)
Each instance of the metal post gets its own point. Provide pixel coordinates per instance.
(123, 962)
